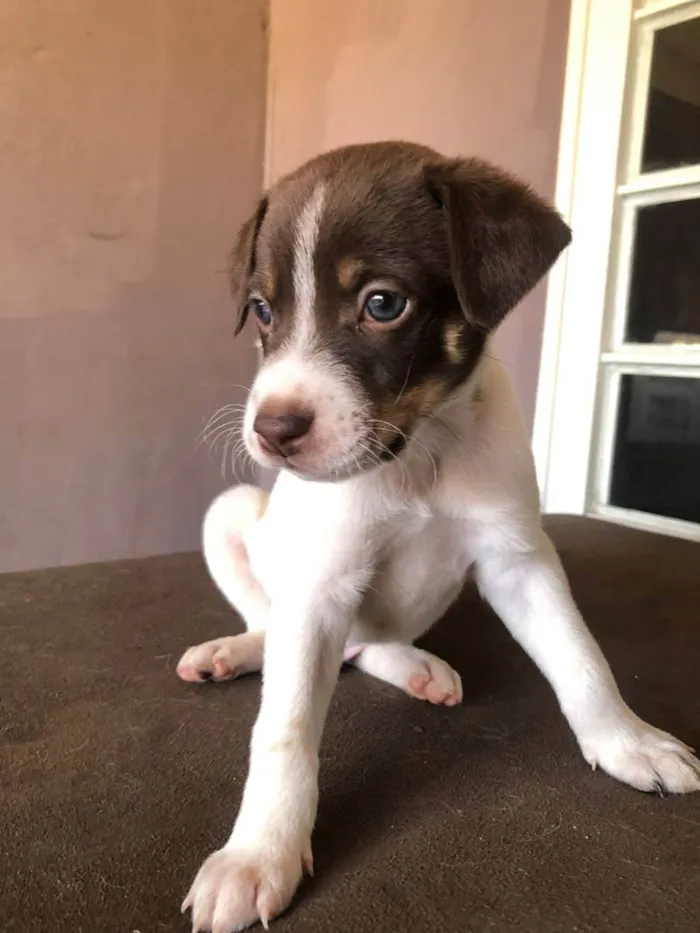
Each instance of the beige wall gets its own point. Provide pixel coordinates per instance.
(131, 141)
(466, 76)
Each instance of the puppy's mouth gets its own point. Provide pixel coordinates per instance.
(374, 448)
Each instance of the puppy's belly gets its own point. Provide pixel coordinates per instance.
(420, 575)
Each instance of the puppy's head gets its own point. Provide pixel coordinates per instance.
(375, 273)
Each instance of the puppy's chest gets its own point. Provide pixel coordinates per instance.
(421, 538)
(420, 570)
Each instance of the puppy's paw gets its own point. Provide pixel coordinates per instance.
(435, 681)
(237, 887)
(645, 757)
(222, 658)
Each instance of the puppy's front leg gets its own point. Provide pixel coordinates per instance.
(529, 591)
(256, 873)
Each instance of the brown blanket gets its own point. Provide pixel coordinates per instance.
(117, 778)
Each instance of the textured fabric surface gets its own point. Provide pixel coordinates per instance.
(118, 779)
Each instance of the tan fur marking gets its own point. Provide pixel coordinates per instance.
(411, 405)
(269, 284)
(452, 341)
(348, 272)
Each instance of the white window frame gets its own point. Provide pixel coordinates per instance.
(598, 184)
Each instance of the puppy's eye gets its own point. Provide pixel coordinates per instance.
(384, 307)
(261, 310)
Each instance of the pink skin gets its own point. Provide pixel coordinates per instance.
(221, 672)
(423, 687)
(194, 672)
(423, 684)
(351, 651)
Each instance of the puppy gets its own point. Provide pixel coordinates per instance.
(375, 274)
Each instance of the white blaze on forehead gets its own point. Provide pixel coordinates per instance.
(305, 239)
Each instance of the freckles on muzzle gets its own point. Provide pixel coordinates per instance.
(312, 424)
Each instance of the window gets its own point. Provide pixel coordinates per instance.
(617, 431)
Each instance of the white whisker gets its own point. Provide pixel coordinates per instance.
(405, 382)
(215, 421)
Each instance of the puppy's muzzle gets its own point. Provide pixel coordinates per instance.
(282, 435)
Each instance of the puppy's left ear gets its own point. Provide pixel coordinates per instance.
(243, 262)
(502, 237)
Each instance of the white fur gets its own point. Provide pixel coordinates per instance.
(303, 274)
(305, 374)
(463, 495)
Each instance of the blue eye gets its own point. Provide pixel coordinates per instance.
(385, 307)
(261, 310)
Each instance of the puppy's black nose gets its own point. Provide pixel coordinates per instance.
(281, 434)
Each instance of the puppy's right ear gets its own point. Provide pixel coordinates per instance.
(243, 263)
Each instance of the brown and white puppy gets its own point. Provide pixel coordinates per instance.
(375, 274)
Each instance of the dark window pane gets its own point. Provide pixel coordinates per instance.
(672, 132)
(656, 459)
(664, 299)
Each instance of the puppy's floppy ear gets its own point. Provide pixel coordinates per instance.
(243, 262)
(502, 237)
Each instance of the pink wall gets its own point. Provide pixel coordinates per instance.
(131, 147)
(465, 76)
(131, 150)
